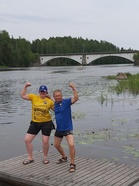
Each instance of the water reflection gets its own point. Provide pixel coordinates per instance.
(60, 71)
(7, 123)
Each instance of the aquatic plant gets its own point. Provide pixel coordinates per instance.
(114, 158)
(106, 134)
(102, 98)
(130, 149)
(110, 77)
(130, 85)
(78, 115)
(89, 137)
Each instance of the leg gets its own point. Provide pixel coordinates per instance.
(57, 144)
(45, 140)
(70, 140)
(29, 146)
(31, 133)
(46, 131)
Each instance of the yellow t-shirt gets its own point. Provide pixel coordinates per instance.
(40, 108)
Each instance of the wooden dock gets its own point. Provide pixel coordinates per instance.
(89, 172)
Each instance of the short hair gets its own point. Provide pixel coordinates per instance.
(57, 90)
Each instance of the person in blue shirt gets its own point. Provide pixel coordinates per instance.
(64, 125)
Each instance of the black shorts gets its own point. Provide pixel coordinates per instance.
(45, 128)
(61, 134)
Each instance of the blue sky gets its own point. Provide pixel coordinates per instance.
(107, 20)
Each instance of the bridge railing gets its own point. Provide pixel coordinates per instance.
(89, 53)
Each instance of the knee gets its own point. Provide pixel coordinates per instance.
(56, 145)
(27, 140)
(46, 143)
(71, 146)
(45, 140)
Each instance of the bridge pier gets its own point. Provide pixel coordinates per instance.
(84, 59)
(136, 62)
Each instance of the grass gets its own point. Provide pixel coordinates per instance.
(131, 84)
(3, 66)
(110, 77)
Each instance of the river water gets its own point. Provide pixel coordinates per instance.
(106, 125)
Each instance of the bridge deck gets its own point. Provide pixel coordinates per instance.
(87, 58)
(89, 172)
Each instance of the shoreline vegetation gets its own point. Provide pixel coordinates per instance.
(3, 66)
(130, 84)
(22, 53)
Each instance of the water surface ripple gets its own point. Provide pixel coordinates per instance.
(106, 125)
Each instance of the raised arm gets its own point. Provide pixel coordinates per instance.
(24, 93)
(75, 93)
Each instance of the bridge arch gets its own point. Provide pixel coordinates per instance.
(60, 57)
(45, 58)
(128, 56)
(103, 57)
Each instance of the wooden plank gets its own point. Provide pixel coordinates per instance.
(136, 184)
(92, 171)
(128, 177)
(89, 172)
(98, 174)
(114, 175)
(83, 170)
(102, 177)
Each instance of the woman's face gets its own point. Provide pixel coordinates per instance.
(42, 94)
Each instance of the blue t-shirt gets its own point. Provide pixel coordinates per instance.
(63, 115)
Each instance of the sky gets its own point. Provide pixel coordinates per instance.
(114, 21)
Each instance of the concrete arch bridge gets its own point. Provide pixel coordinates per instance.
(86, 58)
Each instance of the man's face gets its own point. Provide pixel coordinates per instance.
(57, 96)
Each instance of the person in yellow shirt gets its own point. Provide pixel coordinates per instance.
(40, 121)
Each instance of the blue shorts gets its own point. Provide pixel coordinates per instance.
(45, 128)
(61, 134)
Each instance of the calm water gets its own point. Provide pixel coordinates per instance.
(106, 125)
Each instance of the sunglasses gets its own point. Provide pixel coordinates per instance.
(43, 91)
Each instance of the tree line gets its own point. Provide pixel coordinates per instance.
(23, 53)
